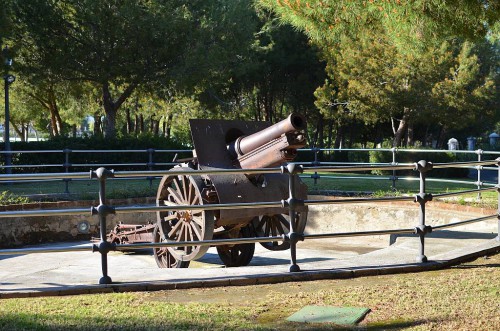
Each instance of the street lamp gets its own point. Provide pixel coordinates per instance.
(8, 79)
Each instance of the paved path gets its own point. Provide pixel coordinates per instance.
(78, 272)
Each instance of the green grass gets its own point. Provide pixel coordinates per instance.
(464, 297)
(83, 189)
(344, 182)
(383, 187)
(129, 188)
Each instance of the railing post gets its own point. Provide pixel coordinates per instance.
(103, 210)
(394, 178)
(151, 152)
(479, 152)
(422, 198)
(66, 169)
(316, 163)
(498, 205)
(292, 203)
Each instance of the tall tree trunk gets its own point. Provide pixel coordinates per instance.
(410, 133)
(321, 129)
(330, 134)
(441, 141)
(352, 129)
(401, 130)
(141, 123)
(54, 109)
(47, 99)
(154, 125)
(136, 124)
(97, 124)
(129, 122)
(111, 107)
(170, 117)
(18, 131)
(53, 125)
(339, 137)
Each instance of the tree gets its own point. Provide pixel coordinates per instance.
(278, 74)
(467, 97)
(118, 45)
(409, 25)
(380, 55)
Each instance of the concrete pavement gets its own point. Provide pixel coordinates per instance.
(79, 272)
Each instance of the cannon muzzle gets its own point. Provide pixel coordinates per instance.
(246, 144)
(271, 146)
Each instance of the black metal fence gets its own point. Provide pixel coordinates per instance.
(421, 229)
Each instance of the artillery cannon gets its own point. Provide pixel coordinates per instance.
(220, 144)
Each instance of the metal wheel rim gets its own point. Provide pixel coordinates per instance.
(184, 225)
(272, 226)
(163, 257)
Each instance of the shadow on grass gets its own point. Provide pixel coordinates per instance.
(77, 322)
(27, 321)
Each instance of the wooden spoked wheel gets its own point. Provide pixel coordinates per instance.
(163, 257)
(272, 226)
(238, 255)
(181, 224)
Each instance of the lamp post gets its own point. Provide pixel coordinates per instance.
(8, 79)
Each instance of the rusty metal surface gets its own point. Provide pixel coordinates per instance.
(249, 143)
(211, 139)
(273, 153)
(131, 234)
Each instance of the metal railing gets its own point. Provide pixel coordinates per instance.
(292, 203)
(479, 183)
(67, 165)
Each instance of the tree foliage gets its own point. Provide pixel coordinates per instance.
(408, 24)
(121, 44)
(361, 71)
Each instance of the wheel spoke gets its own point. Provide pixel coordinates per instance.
(175, 196)
(198, 220)
(190, 232)
(180, 233)
(185, 188)
(281, 228)
(261, 224)
(161, 252)
(267, 229)
(197, 230)
(178, 190)
(174, 230)
(273, 226)
(196, 200)
(191, 193)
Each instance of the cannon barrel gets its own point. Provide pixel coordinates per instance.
(246, 144)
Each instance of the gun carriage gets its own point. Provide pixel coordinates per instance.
(222, 144)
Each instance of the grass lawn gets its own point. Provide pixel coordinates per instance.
(344, 182)
(84, 189)
(382, 186)
(465, 297)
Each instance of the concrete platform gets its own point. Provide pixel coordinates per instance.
(71, 273)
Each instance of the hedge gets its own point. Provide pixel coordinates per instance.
(407, 157)
(142, 142)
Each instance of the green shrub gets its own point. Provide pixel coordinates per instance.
(142, 142)
(7, 198)
(412, 157)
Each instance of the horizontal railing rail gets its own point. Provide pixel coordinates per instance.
(293, 171)
(152, 163)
